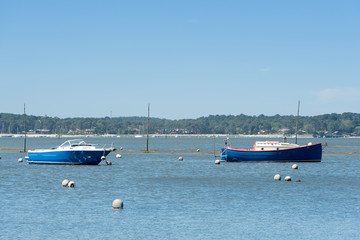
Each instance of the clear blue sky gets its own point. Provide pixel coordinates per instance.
(185, 58)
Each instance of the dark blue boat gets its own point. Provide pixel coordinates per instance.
(75, 152)
(274, 152)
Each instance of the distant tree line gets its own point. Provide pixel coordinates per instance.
(321, 125)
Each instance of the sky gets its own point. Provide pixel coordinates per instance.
(186, 58)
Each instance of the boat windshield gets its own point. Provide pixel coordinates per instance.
(74, 143)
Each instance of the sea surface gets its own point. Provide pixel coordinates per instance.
(165, 198)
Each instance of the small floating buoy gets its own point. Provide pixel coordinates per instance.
(121, 148)
(180, 158)
(217, 161)
(20, 160)
(298, 180)
(118, 155)
(198, 150)
(118, 204)
(108, 163)
(277, 177)
(294, 166)
(71, 184)
(65, 182)
(287, 178)
(103, 157)
(0, 157)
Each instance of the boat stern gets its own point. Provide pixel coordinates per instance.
(223, 154)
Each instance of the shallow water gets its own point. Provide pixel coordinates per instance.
(169, 199)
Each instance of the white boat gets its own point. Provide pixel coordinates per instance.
(74, 151)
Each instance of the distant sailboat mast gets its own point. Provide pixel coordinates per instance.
(147, 135)
(24, 129)
(297, 122)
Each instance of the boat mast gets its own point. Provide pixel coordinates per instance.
(297, 122)
(147, 135)
(214, 146)
(24, 129)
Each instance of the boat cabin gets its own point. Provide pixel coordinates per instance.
(273, 145)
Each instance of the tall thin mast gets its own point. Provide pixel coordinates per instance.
(297, 122)
(24, 129)
(147, 135)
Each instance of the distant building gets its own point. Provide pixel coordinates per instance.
(80, 131)
(284, 130)
(42, 131)
(180, 131)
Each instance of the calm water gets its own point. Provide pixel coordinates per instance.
(191, 199)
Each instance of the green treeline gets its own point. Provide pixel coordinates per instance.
(327, 124)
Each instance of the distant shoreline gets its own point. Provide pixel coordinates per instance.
(154, 135)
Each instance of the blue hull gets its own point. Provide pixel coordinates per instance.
(67, 157)
(309, 153)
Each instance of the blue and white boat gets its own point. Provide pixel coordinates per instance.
(274, 151)
(75, 152)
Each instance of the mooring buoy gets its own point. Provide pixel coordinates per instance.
(71, 184)
(180, 158)
(287, 178)
(217, 162)
(294, 166)
(108, 163)
(118, 155)
(103, 158)
(20, 160)
(198, 150)
(118, 204)
(65, 182)
(277, 177)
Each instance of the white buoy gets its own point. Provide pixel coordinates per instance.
(198, 150)
(217, 161)
(287, 178)
(121, 148)
(108, 163)
(103, 157)
(65, 182)
(294, 166)
(277, 177)
(20, 160)
(71, 184)
(118, 155)
(118, 204)
(180, 158)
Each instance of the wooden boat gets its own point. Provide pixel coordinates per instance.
(274, 151)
